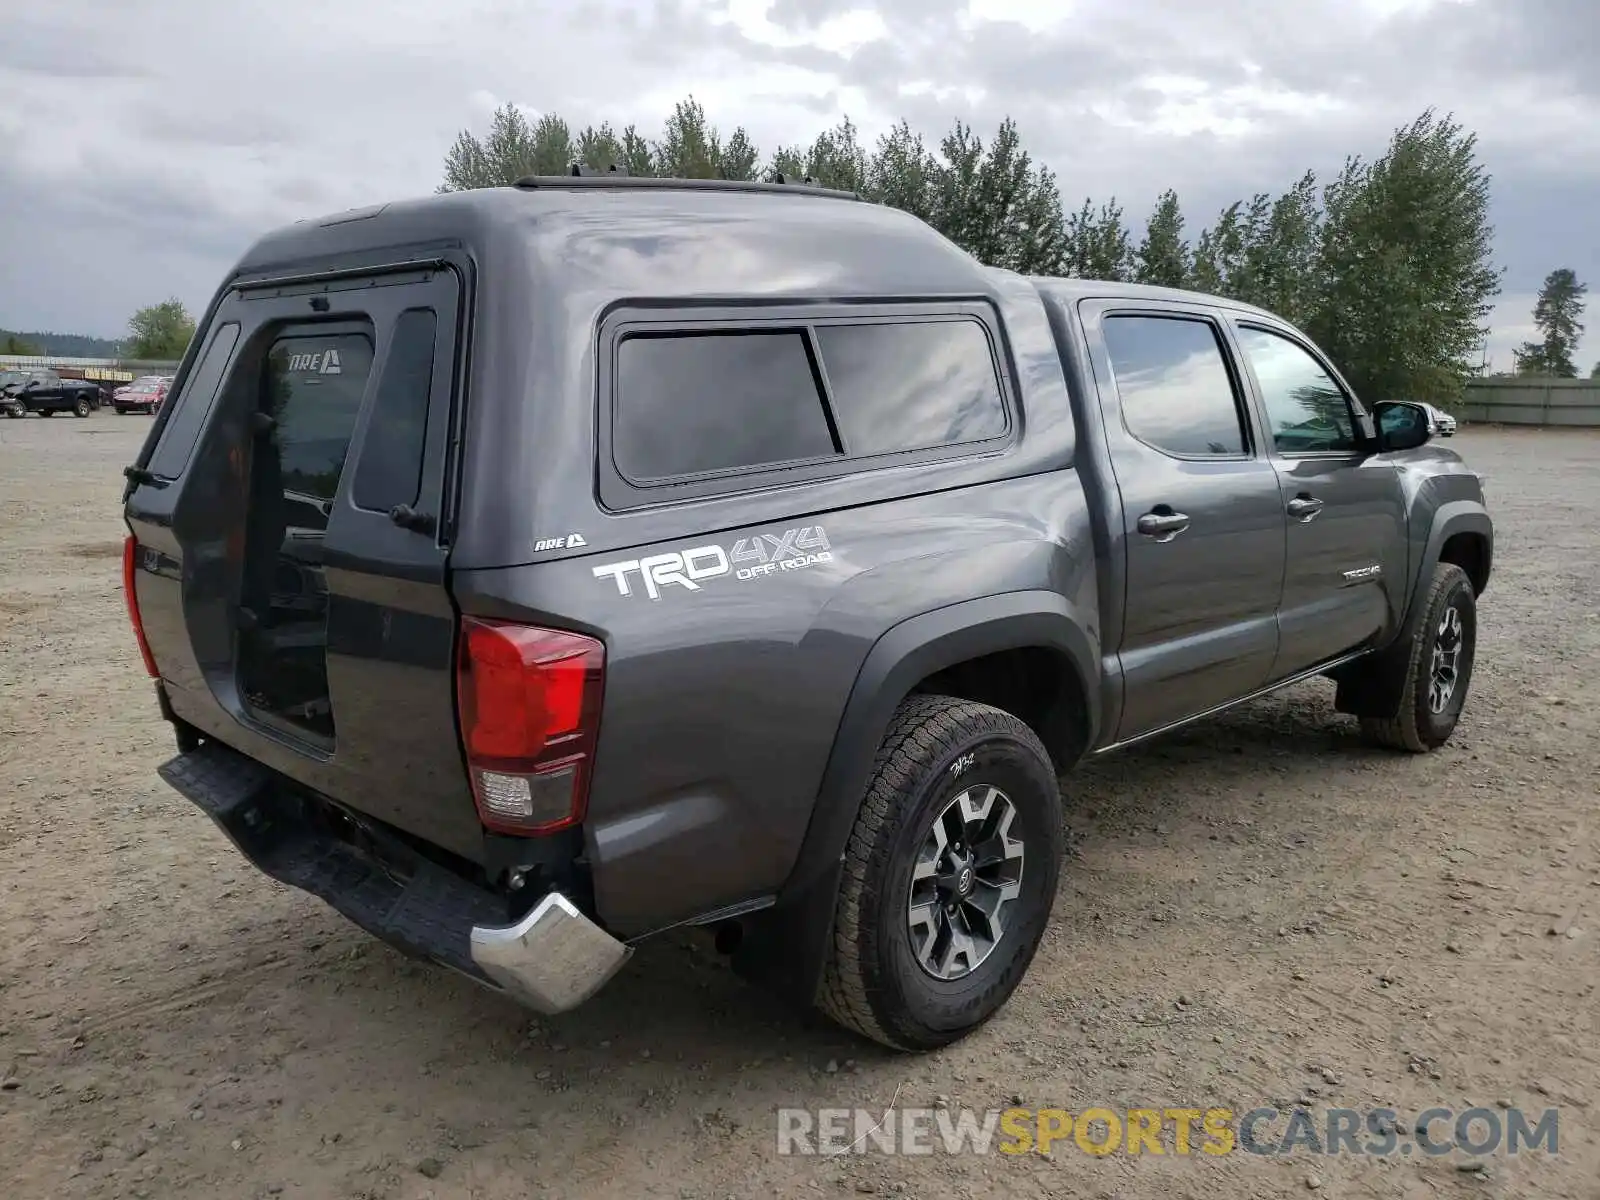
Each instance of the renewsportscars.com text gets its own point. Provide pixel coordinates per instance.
(1178, 1131)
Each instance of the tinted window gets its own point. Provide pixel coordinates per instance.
(390, 471)
(910, 386)
(1305, 408)
(193, 405)
(710, 402)
(313, 388)
(1174, 384)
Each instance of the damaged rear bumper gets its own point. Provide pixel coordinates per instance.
(551, 959)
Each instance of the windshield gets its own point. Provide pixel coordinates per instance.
(10, 377)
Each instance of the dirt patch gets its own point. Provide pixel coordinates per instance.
(1257, 910)
(95, 550)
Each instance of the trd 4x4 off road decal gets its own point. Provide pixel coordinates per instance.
(750, 558)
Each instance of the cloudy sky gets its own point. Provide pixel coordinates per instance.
(144, 143)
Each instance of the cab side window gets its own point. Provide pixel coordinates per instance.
(1307, 411)
(1177, 394)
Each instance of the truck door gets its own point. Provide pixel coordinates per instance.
(1202, 519)
(1344, 583)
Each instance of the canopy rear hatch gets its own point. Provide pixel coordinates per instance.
(291, 574)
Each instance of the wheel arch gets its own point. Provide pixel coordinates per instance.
(967, 647)
(1462, 533)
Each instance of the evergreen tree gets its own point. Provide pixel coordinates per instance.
(1558, 314)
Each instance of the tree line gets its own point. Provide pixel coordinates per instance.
(156, 333)
(1386, 263)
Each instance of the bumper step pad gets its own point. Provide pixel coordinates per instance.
(429, 915)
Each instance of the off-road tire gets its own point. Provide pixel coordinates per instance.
(1415, 727)
(872, 982)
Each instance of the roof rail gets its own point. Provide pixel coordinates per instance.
(582, 176)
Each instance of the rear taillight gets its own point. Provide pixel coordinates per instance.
(529, 702)
(130, 548)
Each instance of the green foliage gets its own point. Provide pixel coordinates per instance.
(599, 147)
(1098, 245)
(690, 147)
(739, 158)
(1560, 305)
(1280, 260)
(1386, 265)
(1163, 258)
(996, 202)
(1219, 255)
(837, 160)
(160, 332)
(902, 172)
(1403, 281)
(15, 344)
(512, 149)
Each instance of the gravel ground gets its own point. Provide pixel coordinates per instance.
(1257, 911)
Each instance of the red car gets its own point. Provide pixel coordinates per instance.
(142, 395)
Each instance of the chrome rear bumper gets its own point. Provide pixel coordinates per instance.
(553, 959)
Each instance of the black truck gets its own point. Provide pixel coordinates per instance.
(47, 393)
(532, 570)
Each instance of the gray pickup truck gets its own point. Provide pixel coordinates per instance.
(529, 571)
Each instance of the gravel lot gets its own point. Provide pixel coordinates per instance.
(1256, 911)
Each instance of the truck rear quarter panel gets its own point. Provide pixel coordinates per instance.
(723, 703)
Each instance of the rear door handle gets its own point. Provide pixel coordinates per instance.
(1303, 508)
(1162, 523)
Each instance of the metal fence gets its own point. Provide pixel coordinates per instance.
(1573, 403)
(46, 362)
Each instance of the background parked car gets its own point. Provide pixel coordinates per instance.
(144, 394)
(1444, 425)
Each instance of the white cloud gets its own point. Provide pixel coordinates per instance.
(149, 142)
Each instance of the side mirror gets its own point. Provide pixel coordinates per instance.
(1402, 426)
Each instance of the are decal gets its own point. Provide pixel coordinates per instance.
(324, 362)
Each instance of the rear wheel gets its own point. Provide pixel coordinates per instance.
(1439, 657)
(81, 408)
(949, 875)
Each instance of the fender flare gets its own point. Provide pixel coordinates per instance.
(1451, 518)
(788, 944)
(1373, 685)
